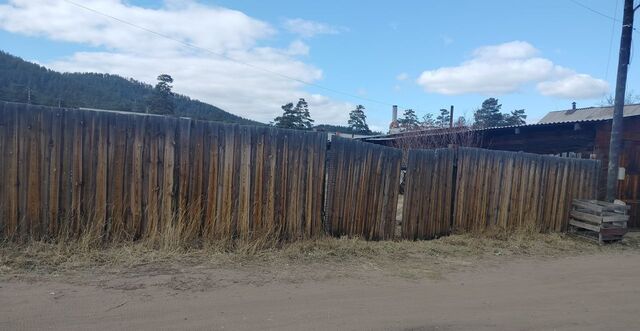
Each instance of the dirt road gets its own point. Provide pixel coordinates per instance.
(592, 292)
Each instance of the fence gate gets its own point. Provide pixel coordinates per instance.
(362, 189)
(428, 192)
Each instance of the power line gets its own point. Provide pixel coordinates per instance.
(613, 24)
(595, 11)
(599, 12)
(196, 47)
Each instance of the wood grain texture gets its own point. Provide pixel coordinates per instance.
(427, 204)
(362, 189)
(515, 190)
(132, 175)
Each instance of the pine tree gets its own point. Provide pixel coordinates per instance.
(302, 108)
(161, 101)
(289, 118)
(489, 115)
(517, 117)
(358, 121)
(295, 117)
(443, 119)
(409, 120)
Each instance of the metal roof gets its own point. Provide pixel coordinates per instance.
(587, 114)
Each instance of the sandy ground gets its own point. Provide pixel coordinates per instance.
(589, 292)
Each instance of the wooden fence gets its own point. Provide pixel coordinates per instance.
(513, 190)
(65, 171)
(427, 207)
(132, 175)
(362, 190)
(491, 189)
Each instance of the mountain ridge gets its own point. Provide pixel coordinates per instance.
(27, 82)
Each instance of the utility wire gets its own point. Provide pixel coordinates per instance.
(595, 11)
(613, 24)
(196, 47)
(599, 12)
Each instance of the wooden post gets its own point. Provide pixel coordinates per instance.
(621, 83)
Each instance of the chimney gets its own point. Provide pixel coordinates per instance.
(394, 113)
(573, 105)
(451, 117)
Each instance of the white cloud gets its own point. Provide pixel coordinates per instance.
(308, 29)
(402, 76)
(508, 67)
(298, 47)
(577, 86)
(131, 52)
(511, 50)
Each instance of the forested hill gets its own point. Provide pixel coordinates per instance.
(92, 90)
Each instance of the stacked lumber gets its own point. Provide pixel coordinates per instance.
(598, 219)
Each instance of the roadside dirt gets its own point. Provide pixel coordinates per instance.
(591, 290)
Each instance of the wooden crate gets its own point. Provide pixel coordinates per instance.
(599, 220)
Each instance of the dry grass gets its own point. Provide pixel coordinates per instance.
(264, 254)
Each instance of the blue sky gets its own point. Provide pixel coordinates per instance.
(536, 55)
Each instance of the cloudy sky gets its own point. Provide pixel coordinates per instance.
(252, 56)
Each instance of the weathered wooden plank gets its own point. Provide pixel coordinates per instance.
(55, 171)
(211, 206)
(244, 189)
(46, 122)
(150, 180)
(196, 177)
(137, 177)
(118, 203)
(584, 225)
(102, 178)
(33, 174)
(183, 153)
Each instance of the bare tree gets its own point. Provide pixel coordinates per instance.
(459, 136)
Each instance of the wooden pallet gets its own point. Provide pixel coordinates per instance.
(598, 220)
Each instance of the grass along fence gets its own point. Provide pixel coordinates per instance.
(133, 175)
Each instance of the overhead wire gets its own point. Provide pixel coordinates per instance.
(613, 24)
